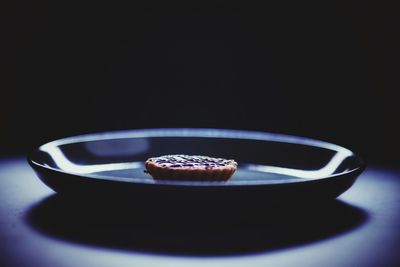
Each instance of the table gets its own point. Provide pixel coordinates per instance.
(39, 228)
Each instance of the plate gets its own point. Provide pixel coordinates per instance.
(271, 167)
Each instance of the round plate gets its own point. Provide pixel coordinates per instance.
(271, 167)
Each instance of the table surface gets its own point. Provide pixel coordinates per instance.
(39, 228)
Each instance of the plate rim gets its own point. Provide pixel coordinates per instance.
(194, 132)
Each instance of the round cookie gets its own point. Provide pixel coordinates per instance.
(190, 168)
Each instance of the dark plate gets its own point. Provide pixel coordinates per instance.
(272, 167)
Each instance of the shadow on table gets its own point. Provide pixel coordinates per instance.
(206, 230)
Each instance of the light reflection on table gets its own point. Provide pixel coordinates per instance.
(374, 243)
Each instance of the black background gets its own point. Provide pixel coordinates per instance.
(320, 69)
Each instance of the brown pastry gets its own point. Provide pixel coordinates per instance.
(190, 168)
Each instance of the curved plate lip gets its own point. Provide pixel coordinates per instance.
(194, 132)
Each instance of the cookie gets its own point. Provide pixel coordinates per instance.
(190, 168)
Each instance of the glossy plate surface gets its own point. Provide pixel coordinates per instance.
(272, 167)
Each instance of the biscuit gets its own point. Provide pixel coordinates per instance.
(190, 168)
